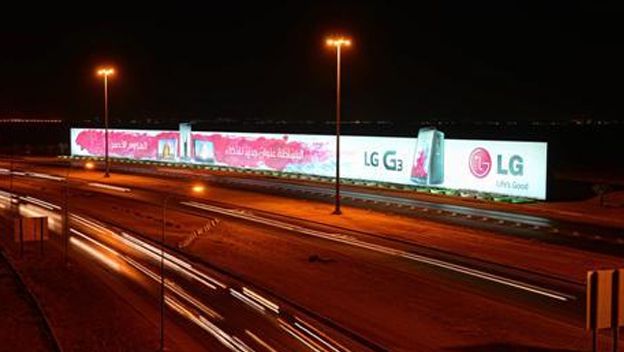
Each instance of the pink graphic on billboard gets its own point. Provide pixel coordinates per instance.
(419, 165)
(275, 153)
(272, 153)
(126, 144)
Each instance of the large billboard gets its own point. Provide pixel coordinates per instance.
(502, 167)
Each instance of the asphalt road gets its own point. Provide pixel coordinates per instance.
(243, 320)
(370, 292)
(575, 233)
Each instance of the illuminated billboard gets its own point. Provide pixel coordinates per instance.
(501, 167)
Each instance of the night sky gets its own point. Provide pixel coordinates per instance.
(445, 61)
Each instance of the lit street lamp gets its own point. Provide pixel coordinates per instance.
(106, 72)
(338, 43)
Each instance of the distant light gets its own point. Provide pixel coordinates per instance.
(198, 188)
(33, 121)
(338, 41)
(106, 71)
(89, 165)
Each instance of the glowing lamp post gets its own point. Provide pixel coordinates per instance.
(338, 43)
(105, 72)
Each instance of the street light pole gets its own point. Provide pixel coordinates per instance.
(338, 43)
(11, 167)
(162, 273)
(196, 189)
(106, 123)
(337, 206)
(106, 72)
(66, 215)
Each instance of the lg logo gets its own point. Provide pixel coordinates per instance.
(480, 164)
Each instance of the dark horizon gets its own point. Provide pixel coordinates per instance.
(428, 62)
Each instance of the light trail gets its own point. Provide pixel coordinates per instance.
(248, 296)
(318, 338)
(231, 342)
(114, 259)
(247, 300)
(384, 250)
(94, 253)
(200, 321)
(41, 203)
(45, 176)
(258, 298)
(154, 253)
(227, 340)
(174, 288)
(174, 262)
(299, 336)
(109, 187)
(311, 330)
(260, 341)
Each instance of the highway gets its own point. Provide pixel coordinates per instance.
(243, 315)
(579, 234)
(362, 290)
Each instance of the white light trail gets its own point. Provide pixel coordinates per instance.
(94, 253)
(302, 338)
(154, 253)
(109, 187)
(247, 300)
(260, 341)
(258, 298)
(45, 176)
(316, 333)
(41, 203)
(385, 250)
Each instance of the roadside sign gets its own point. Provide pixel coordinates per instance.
(29, 229)
(605, 303)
